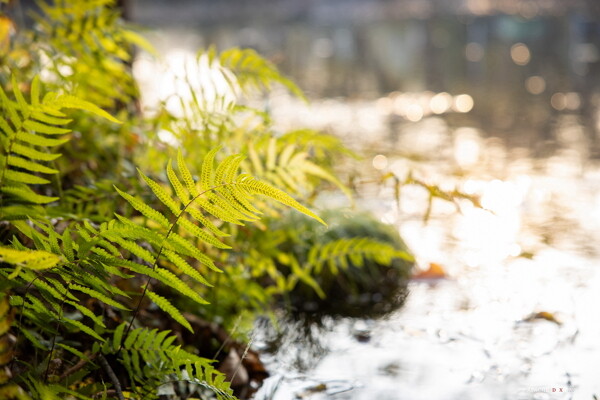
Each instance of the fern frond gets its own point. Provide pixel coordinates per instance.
(186, 176)
(177, 186)
(255, 186)
(24, 193)
(153, 360)
(185, 267)
(97, 295)
(31, 166)
(286, 164)
(84, 328)
(30, 259)
(201, 234)
(93, 43)
(342, 252)
(255, 72)
(170, 309)
(69, 101)
(29, 124)
(145, 209)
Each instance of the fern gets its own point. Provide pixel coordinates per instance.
(289, 166)
(88, 40)
(253, 71)
(342, 253)
(221, 192)
(152, 360)
(30, 128)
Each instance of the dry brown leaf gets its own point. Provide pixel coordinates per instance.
(435, 271)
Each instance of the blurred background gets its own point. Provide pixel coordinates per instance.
(530, 67)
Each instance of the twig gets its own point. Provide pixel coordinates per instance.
(80, 364)
(111, 375)
(103, 392)
(242, 357)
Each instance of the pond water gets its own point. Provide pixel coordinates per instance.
(516, 315)
(504, 105)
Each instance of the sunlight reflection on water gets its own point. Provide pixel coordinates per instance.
(517, 316)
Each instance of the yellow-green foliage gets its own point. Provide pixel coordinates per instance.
(167, 247)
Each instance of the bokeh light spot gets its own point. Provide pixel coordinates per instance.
(463, 103)
(520, 54)
(380, 162)
(535, 84)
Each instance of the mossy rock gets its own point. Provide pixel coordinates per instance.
(368, 290)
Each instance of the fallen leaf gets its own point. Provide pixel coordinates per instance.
(321, 387)
(435, 271)
(548, 316)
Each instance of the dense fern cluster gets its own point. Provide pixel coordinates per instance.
(93, 248)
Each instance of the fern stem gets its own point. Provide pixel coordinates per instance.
(62, 303)
(243, 356)
(59, 186)
(111, 375)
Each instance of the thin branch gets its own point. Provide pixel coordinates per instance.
(242, 357)
(111, 375)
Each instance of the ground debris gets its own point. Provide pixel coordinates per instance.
(548, 316)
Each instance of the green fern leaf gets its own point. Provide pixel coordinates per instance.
(5, 127)
(84, 328)
(39, 140)
(97, 295)
(43, 128)
(177, 186)
(24, 193)
(87, 312)
(23, 177)
(130, 246)
(35, 91)
(73, 350)
(186, 176)
(206, 177)
(185, 267)
(219, 212)
(10, 109)
(258, 187)
(68, 101)
(118, 336)
(68, 250)
(31, 259)
(30, 165)
(33, 153)
(240, 208)
(161, 194)
(193, 251)
(143, 208)
(226, 170)
(179, 285)
(167, 307)
(48, 119)
(198, 216)
(201, 234)
(22, 103)
(313, 169)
